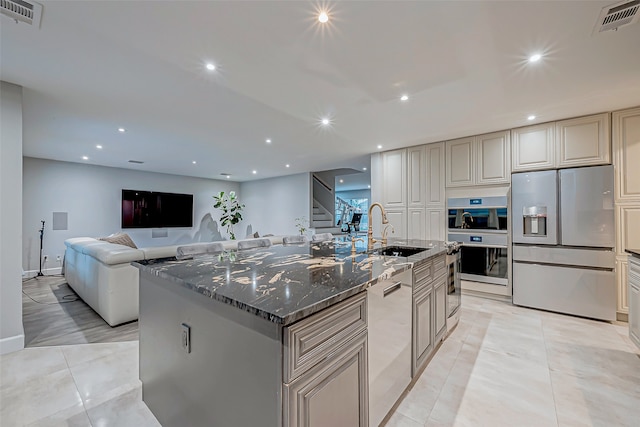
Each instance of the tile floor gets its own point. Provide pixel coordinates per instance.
(502, 366)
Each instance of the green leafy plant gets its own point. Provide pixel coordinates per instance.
(301, 224)
(231, 210)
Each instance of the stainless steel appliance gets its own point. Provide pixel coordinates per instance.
(563, 239)
(481, 224)
(389, 336)
(454, 295)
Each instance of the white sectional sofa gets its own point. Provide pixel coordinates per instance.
(102, 275)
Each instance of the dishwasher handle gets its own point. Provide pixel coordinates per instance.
(391, 289)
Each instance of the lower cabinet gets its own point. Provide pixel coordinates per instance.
(440, 307)
(422, 328)
(334, 393)
(634, 300)
(325, 377)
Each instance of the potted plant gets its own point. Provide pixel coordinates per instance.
(301, 224)
(231, 210)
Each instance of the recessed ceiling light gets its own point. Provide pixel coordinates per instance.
(368, 186)
(85, 158)
(99, 147)
(210, 66)
(379, 147)
(287, 165)
(531, 117)
(364, 169)
(323, 17)
(122, 130)
(535, 58)
(326, 121)
(404, 98)
(254, 172)
(194, 162)
(341, 181)
(268, 141)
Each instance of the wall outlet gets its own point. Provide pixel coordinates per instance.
(58, 258)
(186, 338)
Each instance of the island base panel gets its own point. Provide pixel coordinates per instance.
(233, 374)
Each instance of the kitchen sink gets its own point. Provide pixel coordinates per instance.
(403, 251)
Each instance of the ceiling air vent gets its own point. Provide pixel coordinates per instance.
(137, 162)
(617, 15)
(23, 11)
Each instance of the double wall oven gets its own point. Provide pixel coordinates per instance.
(481, 224)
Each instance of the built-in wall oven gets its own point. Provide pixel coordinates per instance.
(481, 224)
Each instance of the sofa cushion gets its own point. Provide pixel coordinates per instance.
(159, 252)
(78, 241)
(110, 253)
(120, 239)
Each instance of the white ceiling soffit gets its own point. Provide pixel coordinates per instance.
(617, 15)
(28, 12)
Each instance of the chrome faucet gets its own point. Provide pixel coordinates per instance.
(384, 234)
(464, 222)
(370, 240)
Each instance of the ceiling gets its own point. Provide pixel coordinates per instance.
(95, 66)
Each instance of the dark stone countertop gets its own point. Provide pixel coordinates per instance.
(634, 252)
(284, 284)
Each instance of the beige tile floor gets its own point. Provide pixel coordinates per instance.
(502, 366)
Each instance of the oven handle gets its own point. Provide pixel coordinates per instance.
(391, 289)
(480, 245)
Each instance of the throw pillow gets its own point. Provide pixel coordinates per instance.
(120, 239)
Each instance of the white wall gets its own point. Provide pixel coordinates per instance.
(91, 195)
(11, 330)
(273, 204)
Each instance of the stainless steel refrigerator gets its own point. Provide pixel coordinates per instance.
(563, 239)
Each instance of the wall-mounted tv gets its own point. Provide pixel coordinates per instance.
(151, 209)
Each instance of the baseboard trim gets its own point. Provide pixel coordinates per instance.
(47, 272)
(11, 344)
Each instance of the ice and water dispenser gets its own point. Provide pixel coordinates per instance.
(534, 221)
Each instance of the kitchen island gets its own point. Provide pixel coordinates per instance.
(274, 336)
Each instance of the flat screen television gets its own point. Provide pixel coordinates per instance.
(151, 209)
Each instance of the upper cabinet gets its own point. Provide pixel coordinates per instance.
(626, 147)
(435, 174)
(583, 141)
(460, 162)
(533, 147)
(479, 160)
(394, 182)
(417, 181)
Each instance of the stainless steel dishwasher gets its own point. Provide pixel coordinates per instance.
(389, 336)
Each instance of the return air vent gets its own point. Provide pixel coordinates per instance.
(29, 12)
(137, 162)
(617, 15)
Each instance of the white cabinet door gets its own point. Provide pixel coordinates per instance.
(583, 141)
(422, 327)
(416, 179)
(626, 146)
(435, 174)
(394, 184)
(416, 224)
(533, 147)
(634, 300)
(440, 307)
(493, 157)
(436, 224)
(460, 162)
(334, 393)
(398, 219)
